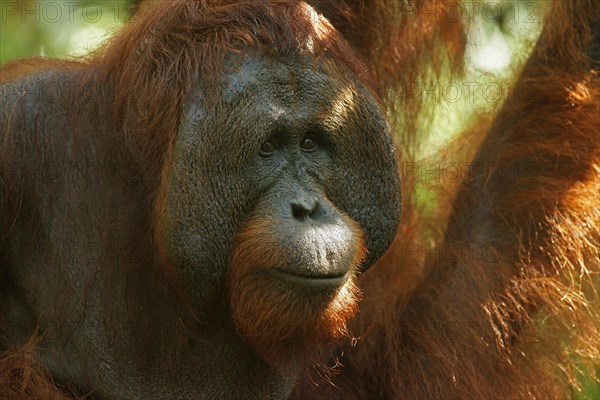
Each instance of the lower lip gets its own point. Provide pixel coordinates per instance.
(325, 281)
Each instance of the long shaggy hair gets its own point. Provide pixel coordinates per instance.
(510, 309)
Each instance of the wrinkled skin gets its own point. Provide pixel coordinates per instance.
(282, 103)
(80, 258)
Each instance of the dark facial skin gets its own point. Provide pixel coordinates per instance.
(301, 143)
(301, 146)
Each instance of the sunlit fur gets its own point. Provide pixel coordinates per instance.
(446, 323)
(433, 329)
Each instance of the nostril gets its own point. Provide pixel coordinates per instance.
(299, 212)
(303, 209)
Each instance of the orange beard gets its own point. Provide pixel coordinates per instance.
(285, 321)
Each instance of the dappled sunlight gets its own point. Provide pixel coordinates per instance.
(341, 107)
(87, 39)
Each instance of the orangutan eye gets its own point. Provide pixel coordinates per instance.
(267, 149)
(309, 144)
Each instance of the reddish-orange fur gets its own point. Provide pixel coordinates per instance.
(430, 327)
(444, 323)
(257, 300)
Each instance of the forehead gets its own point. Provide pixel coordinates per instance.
(295, 88)
(255, 69)
(259, 96)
